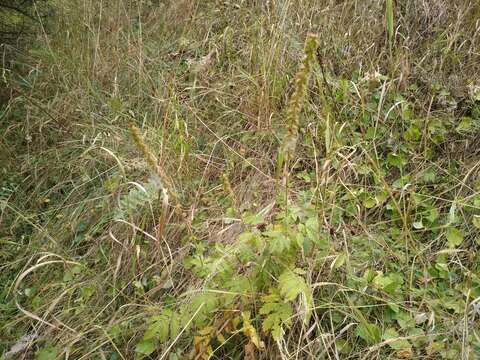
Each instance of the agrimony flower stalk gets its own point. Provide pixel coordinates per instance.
(295, 105)
(165, 184)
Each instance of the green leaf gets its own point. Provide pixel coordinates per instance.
(343, 346)
(476, 221)
(278, 241)
(397, 160)
(339, 261)
(429, 176)
(433, 215)
(394, 307)
(175, 325)
(292, 285)
(368, 332)
(145, 347)
(48, 353)
(246, 237)
(159, 327)
(207, 303)
(454, 237)
(465, 125)
(399, 344)
(137, 197)
(418, 337)
(278, 314)
(404, 319)
(252, 219)
(388, 283)
(418, 225)
(369, 202)
(412, 134)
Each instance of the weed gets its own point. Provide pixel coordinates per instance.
(140, 212)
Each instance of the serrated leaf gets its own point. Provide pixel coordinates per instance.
(145, 347)
(278, 241)
(175, 324)
(250, 331)
(159, 328)
(277, 314)
(291, 285)
(207, 302)
(274, 321)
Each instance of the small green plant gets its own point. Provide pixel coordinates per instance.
(270, 290)
(137, 197)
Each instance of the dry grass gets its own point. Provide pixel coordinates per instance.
(208, 83)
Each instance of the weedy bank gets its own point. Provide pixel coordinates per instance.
(243, 180)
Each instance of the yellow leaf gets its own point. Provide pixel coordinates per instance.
(198, 340)
(405, 353)
(221, 339)
(206, 331)
(251, 332)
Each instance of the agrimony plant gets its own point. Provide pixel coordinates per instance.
(389, 22)
(159, 176)
(137, 197)
(296, 104)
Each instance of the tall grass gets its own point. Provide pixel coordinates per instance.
(210, 99)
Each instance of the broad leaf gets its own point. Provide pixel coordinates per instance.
(292, 285)
(392, 335)
(454, 237)
(369, 332)
(145, 347)
(48, 353)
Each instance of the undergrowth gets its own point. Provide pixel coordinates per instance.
(242, 180)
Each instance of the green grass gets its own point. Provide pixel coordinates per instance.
(178, 240)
